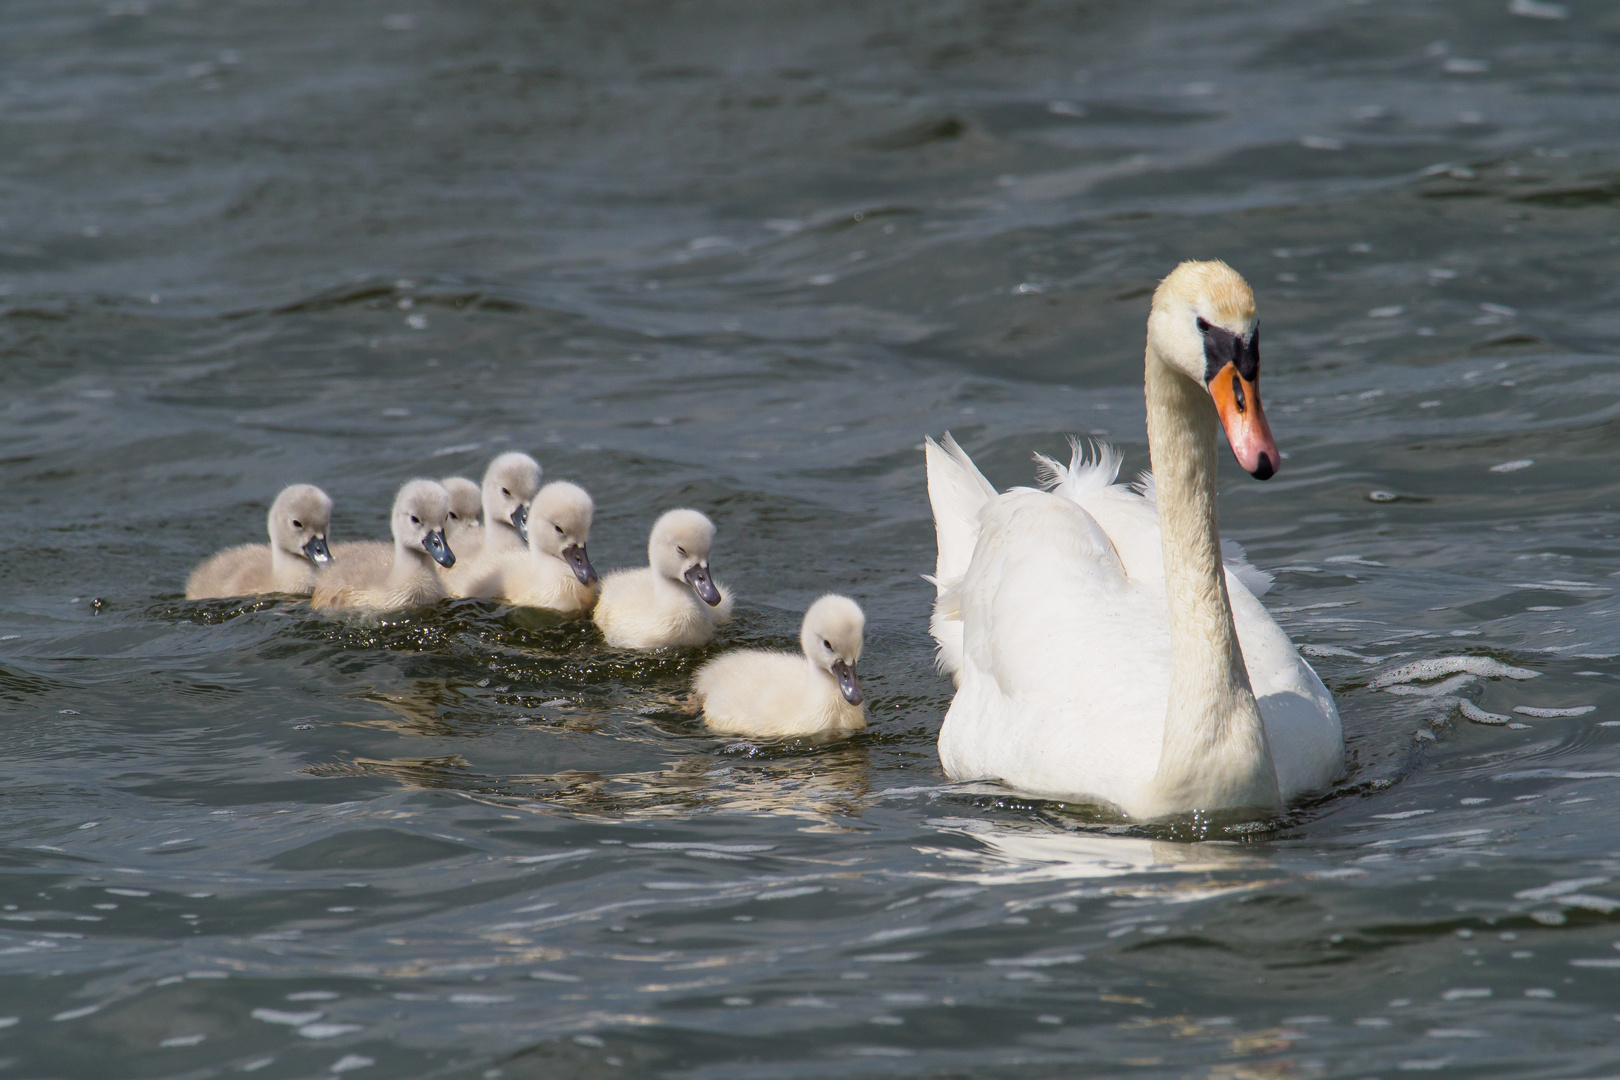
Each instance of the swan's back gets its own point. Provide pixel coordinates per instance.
(361, 577)
(539, 581)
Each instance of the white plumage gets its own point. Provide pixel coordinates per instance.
(1054, 617)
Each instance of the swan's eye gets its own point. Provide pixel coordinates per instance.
(1203, 325)
(680, 551)
(414, 520)
(297, 524)
(827, 643)
(557, 527)
(508, 494)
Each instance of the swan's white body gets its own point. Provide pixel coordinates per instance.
(1082, 674)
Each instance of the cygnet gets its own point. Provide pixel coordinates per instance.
(381, 577)
(771, 694)
(510, 484)
(463, 531)
(555, 572)
(299, 519)
(672, 601)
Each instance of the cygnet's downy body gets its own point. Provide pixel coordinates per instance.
(510, 484)
(464, 532)
(672, 601)
(391, 577)
(555, 572)
(298, 521)
(775, 695)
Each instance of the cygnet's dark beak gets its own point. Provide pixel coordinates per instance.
(436, 547)
(317, 551)
(574, 555)
(848, 685)
(702, 584)
(520, 518)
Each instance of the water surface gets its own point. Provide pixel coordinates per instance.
(744, 259)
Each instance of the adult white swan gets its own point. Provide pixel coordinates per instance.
(1102, 651)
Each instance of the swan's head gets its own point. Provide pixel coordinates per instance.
(560, 526)
(299, 519)
(1203, 325)
(510, 484)
(421, 510)
(466, 500)
(679, 550)
(832, 640)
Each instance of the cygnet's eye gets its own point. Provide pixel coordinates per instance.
(554, 525)
(827, 643)
(508, 494)
(297, 524)
(680, 551)
(414, 520)
(1203, 325)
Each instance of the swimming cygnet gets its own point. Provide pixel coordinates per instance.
(298, 522)
(509, 487)
(776, 694)
(555, 572)
(463, 531)
(382, 577)
(673, 601)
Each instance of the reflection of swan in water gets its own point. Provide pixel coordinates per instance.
(1011, 856)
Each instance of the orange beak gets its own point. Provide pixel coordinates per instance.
(1237, 400)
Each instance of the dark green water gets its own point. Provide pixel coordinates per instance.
(744, 258)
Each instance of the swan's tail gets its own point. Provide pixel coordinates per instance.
(957, 491)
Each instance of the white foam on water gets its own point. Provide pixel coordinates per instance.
(1422, 670)
(1479, 715)
(1559, 888)
(1532, 710)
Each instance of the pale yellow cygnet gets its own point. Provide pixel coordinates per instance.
(390, 577)
(555, 572)
(671, 601)
(298, 522)
(510, 484)
(771, 694)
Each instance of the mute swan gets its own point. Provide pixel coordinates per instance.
(554, 572)
(658, 605)
(1101, 652)
(776, 694)
(510, 483)
(374, 576)
(463, 531)
(298, 522)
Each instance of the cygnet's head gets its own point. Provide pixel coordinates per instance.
(421, 510)
(679, 550)
(466, 500)
(510, 483)
(560, 526)
(832, 640)
(299, 520)
(1203, 325)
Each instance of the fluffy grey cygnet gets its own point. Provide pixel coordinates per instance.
(555, 571)
(375, 576)
(510, 485)
(769, 694)
(298, 523)
(671, 601)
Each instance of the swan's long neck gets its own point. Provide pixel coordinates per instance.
(1215, 752)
